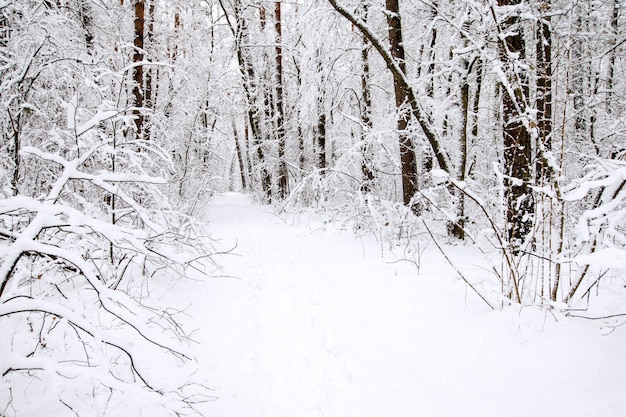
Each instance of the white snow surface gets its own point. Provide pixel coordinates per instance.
(306, 320)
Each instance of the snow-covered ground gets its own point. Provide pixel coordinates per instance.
(305, 320)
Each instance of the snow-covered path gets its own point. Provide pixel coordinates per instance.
(309, 321)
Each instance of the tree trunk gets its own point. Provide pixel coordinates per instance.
(520, 204)
(280, 114)
(366, 111)
(241, 158)
(430, 69)
(149, 72)
(321, 140)
(610, 82)
(457, 227)
(408, 160)
(84, 12)
(138, 68)
(320, 131)
(544, 96)
(579, 75)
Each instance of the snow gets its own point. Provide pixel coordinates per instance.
(304, 319)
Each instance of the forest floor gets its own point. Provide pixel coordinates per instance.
(303, 319)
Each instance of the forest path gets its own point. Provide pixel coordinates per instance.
(306, 320)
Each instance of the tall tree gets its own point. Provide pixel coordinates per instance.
(280, 112)
(366, 109)
(150, 72)
(320, 131)
(408, 160)
(138, 55)
(517, 139)
(544, 90)
(84, 13)
(610, 83)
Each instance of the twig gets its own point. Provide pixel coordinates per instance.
(458, 271)
(612, 316)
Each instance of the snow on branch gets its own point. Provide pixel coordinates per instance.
(608, 181)
(62, 257)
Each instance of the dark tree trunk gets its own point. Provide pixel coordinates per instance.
(544, 96)
(149, 72)
(241, 158)
(84, 12)
(610, 82)
(430, 69)
(475, 104)
(320, 131)
(408, 160)
(321, 140)
(138, 68)
(579, 75)
(280, 114)
(516, 137)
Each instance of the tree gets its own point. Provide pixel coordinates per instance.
(408, 160)
(544, 90)
(280, 112)
(366, 109)
(138, 57)
(517, 139)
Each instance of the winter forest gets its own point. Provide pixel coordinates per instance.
(468, 156)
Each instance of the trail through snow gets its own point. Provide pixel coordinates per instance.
(306, 320)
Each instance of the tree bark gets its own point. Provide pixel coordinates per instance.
(610, 82)
(579, 74)
(280, 114)
(544, 94)
(457, 227)
(320, 131)
(516, 137)
(408, 161)
(430, 69)
(149, 72)
(366, 110)
(138, 67)
(84, 12)
(241, 158)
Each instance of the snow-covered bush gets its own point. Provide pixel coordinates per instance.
(83, 223)
(77, 337)
(600, 230)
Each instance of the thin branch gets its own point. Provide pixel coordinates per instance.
(458, 271)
